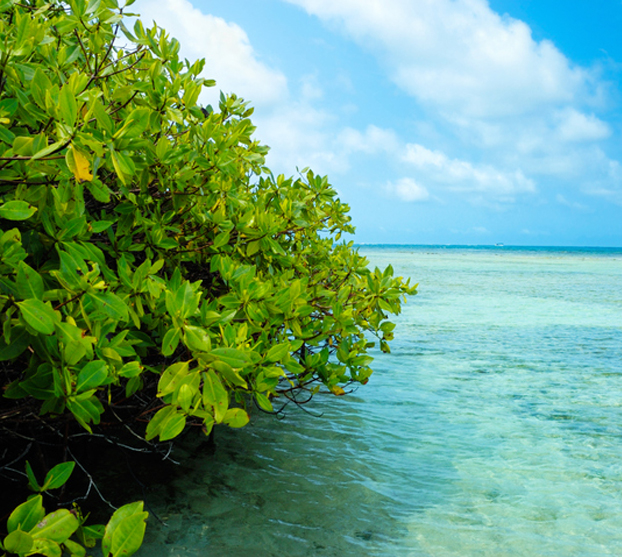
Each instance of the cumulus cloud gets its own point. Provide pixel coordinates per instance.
(516, 104)
(298, 136)
(459, 55)
(408, 190)
(459, 175)
(489, 87)
(298, 132)
(575, 126)
(301, 135)
(230, 57)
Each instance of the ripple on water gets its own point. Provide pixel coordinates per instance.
(494, 429)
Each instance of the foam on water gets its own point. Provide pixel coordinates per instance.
(494, 428)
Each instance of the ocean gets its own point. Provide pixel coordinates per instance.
(494, 428)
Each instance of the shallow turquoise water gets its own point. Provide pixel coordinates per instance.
(493, 429)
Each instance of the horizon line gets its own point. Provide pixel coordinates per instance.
(500, 246)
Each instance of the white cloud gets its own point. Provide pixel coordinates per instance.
(310, 88)
(298, 136)
(458, 55)
(459, 175)
(488, 88)
(519, 102)
(297, 131)
(408, 190)
(575, 126)
(230, 58)
(372, 141)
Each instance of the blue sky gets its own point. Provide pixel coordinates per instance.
(438, 121)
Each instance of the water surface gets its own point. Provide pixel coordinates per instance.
(493, 429)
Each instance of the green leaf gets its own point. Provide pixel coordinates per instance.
(185, 397)
(221, 239)
(236, 417)
(50, 149)
(134, 125)
(104, 121)
(72, 228)
(56, 526)
(27, 515)
(70, 271)
(39, 85)
(252, 248)
(86, 408)
(128, 535)
(229, 373)
(17, 210)
(155, 424)
(100, 192)
(111, 305)
(215, 395)
(231, 356)
(133, 385)
(75, 548)
(23, 145)
(58, 475)
(197, 339)
(170, 341)
(29, 282)
(123, 165)
(172, 378)
(92, 375)
(32, 480)
(46, 547)
(88, 535)
(20, 339)
(41, 317)
(278, 353)
(264, 402)
(100, 226)
(131, 369)
(68, 106)
(173, 426)
(18, 542)
(109, 544)
(74, 351)
(168, 422)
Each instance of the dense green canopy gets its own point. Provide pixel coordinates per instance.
(147, 254)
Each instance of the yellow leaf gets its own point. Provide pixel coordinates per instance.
(5, 121)
(337, 390)
(79, 165)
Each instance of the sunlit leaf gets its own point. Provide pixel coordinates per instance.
(56, 526)
(236, 417)
(18, 542)
(27, 515)
(58, 475)
(17, 210)
(79, 165)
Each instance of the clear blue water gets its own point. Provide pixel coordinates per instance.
(493, 429)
